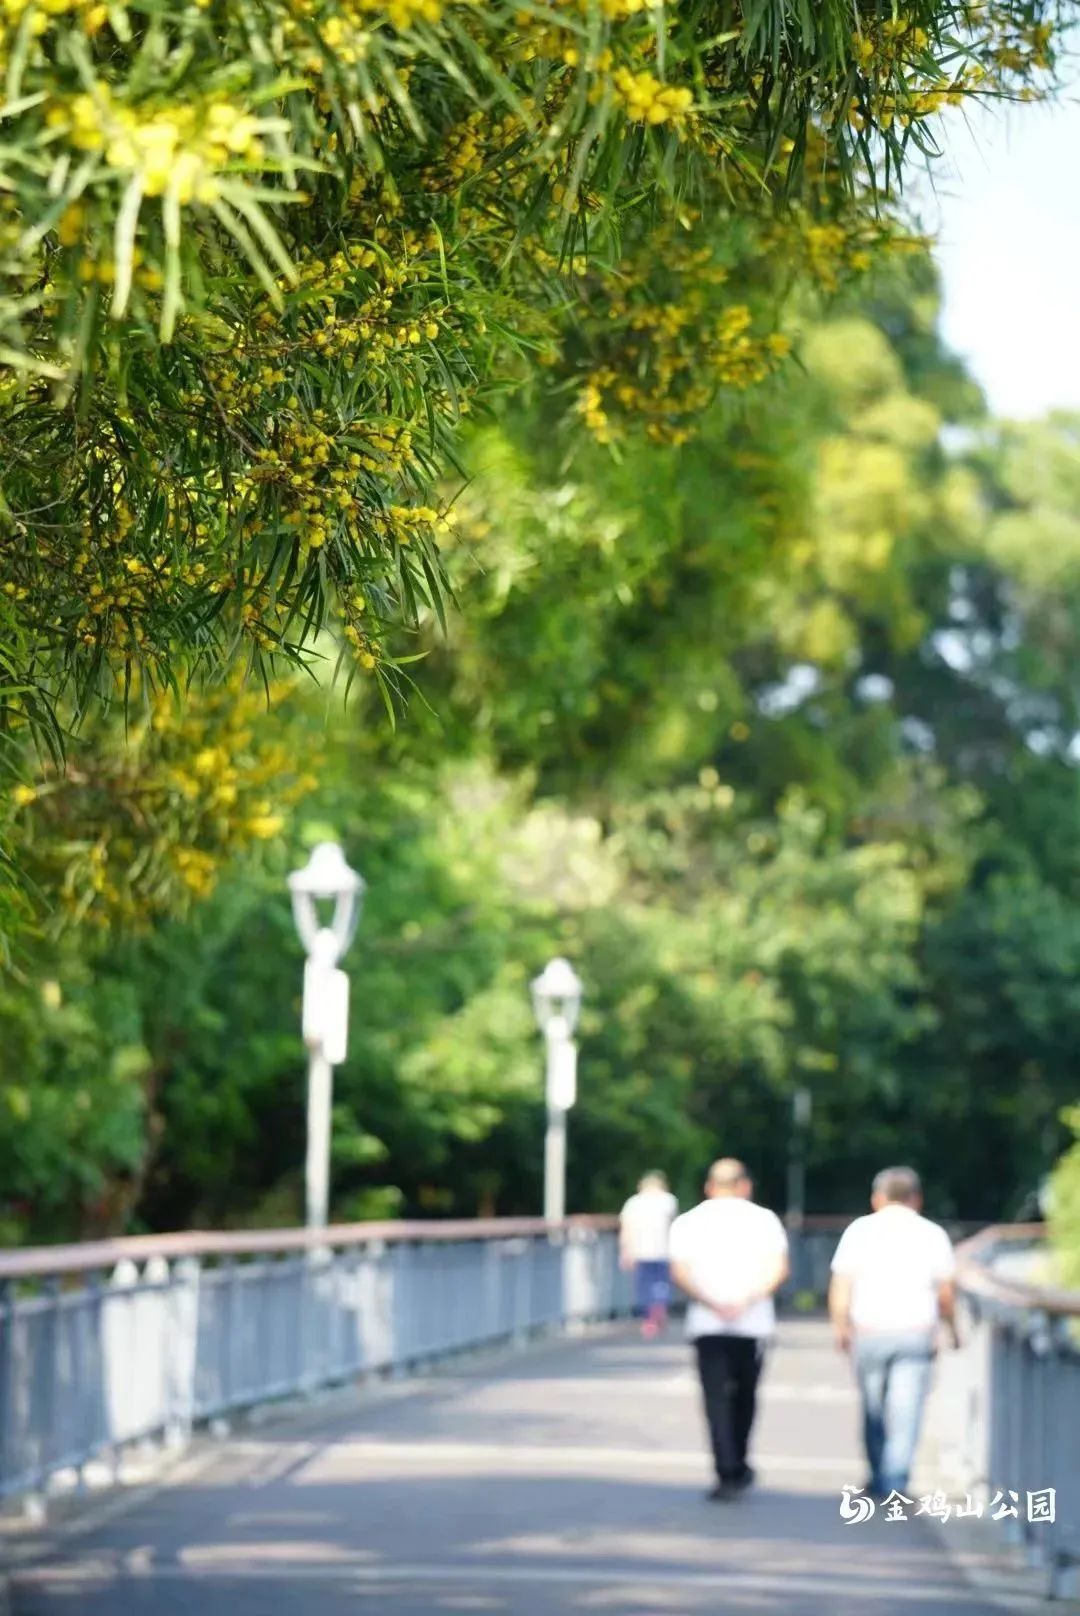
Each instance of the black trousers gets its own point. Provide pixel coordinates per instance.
(729, 1366)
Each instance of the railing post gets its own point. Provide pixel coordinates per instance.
(42, 1366)
(522, 1265)
(1033, 1472)
(93, 1442)
(183, 1328)
(404, 1342)
(229, 1309)
(7, 1388)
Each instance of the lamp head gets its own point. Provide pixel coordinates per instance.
(326, 877)
(557, 997)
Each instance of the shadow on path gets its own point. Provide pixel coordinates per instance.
(567, 1481)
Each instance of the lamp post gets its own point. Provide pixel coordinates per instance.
(801, 1106)
(557, 1000)
(325, 878)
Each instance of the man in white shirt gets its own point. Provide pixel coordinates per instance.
(730, 1256)
(892, 1285)
(644, 1228)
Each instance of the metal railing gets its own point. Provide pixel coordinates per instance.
(813, 1245)
(109, 1344)
(1010, 1400)
(106, 1345)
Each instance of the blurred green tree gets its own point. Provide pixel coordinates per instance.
(771, 731)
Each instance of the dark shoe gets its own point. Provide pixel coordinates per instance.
(722, 1493)
(745, 1478)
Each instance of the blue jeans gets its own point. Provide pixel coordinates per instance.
(652, 1285)
(894, 1376)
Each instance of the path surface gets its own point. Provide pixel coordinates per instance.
(564, 1482)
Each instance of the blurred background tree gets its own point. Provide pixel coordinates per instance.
(259, 265)
(771, 731)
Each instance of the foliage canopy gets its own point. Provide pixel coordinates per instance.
(259, 257)
(771, 731)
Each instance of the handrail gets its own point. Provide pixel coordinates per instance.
(46, 1262)
(109, 1343)
(49, 1262)
(974, 1276)
(837, 1222)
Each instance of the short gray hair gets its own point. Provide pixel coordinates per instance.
(898, 1184)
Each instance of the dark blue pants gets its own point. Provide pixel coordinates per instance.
(652, 1286)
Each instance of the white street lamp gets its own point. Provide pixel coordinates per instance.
(801, 1111)
(325, 878)
(557, 999)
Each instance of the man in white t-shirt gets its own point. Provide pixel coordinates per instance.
(730, 1256)
(644, 1227)
(892, 1285)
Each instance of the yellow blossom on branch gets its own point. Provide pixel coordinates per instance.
(647, 100)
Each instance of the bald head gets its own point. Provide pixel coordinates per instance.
(728, 1176)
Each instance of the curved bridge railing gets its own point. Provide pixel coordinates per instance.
(105, 1345)
(1010, 1403)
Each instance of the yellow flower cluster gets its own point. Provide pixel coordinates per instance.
(92, 15)
(347, 42)
(345, 29)
(330, 481)
(902, 82)
(648, 100)
(139, 821)
(402, 521)
(591, 403)
(831, 251)
(678, 380)
(125, 591)
(620, 10)
(177, 149)
(616, 59)
(886, 43)
(914, 101)
(676, 336)
(400, 13)
(109, 588)
(467, 148)
(1023, 50)
(549, 37)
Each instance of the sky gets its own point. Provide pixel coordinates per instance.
(1006, 210)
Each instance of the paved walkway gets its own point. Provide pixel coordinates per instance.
(565, 1482)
